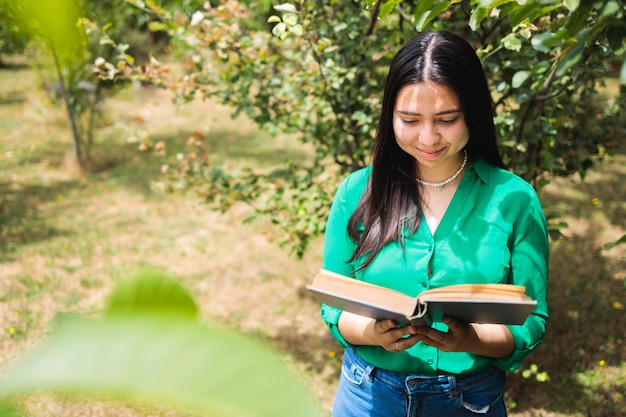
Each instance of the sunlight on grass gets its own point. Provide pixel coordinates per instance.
(148, 113)
(609, 381)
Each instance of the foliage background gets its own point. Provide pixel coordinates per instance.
(318, 76)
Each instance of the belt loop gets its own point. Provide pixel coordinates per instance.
(452, 394)
(368, 372)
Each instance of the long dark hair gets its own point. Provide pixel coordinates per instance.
(391, 203)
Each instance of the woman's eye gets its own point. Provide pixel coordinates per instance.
(447, 121)
(408, 122)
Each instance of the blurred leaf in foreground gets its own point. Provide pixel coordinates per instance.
(137, 353)
(151, 292)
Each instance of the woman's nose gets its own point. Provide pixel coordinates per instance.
(428, 135)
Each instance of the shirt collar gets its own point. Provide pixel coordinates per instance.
(482, 169)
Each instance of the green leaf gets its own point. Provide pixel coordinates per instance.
(164, 360)
(616, 34)
(577, 20)
(427, 17)
(388, 7)
(512, 43)
(54, 23)
(571, 4)
(478, 15)
(273, 19)
(518, 14)
(519, 78)
(610, 9)
(539, 41)
(290, 18)
(128, 58)
(279, 30)
(570, 59)
(151, 292)
(423, 7)
(611, 245)
(148, 348)
(542, 182)
(296, 30)
(285, 7)
(157, 26)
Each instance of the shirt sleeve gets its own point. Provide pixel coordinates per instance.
(338, 249)
(529, 267)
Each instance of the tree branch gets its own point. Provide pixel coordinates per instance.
(373, 18)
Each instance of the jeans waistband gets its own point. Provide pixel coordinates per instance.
(420, 378)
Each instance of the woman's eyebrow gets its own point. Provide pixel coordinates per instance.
(441, 113)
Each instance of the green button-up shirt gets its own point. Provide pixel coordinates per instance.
(494, 231)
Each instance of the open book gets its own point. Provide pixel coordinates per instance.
(471, 303)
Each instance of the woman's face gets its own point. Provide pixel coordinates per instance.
(429, 125)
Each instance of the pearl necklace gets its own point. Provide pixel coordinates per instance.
(443, 183)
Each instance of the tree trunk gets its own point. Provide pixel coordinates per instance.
(71, 114)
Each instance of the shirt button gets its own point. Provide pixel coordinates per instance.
(430, 361)
(424, 284)
(430, 248)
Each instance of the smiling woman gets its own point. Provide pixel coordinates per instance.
(429, 125)
(433, 210)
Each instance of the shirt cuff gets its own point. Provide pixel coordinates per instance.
(524, 344)
(331, 317)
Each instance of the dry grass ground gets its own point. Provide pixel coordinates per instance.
(67, 236)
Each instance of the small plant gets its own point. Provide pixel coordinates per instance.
(533, 370)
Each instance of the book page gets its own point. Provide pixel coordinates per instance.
(495, 292)
(353, 289)
(472, 303)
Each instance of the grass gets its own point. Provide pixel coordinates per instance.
(67, 236)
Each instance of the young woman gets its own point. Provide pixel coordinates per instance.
(435, 208)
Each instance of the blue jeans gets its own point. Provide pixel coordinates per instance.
(367, 391)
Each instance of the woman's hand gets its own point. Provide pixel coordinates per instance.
(393, 338)
(360, 330)
(492, 340)
(459, 337)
